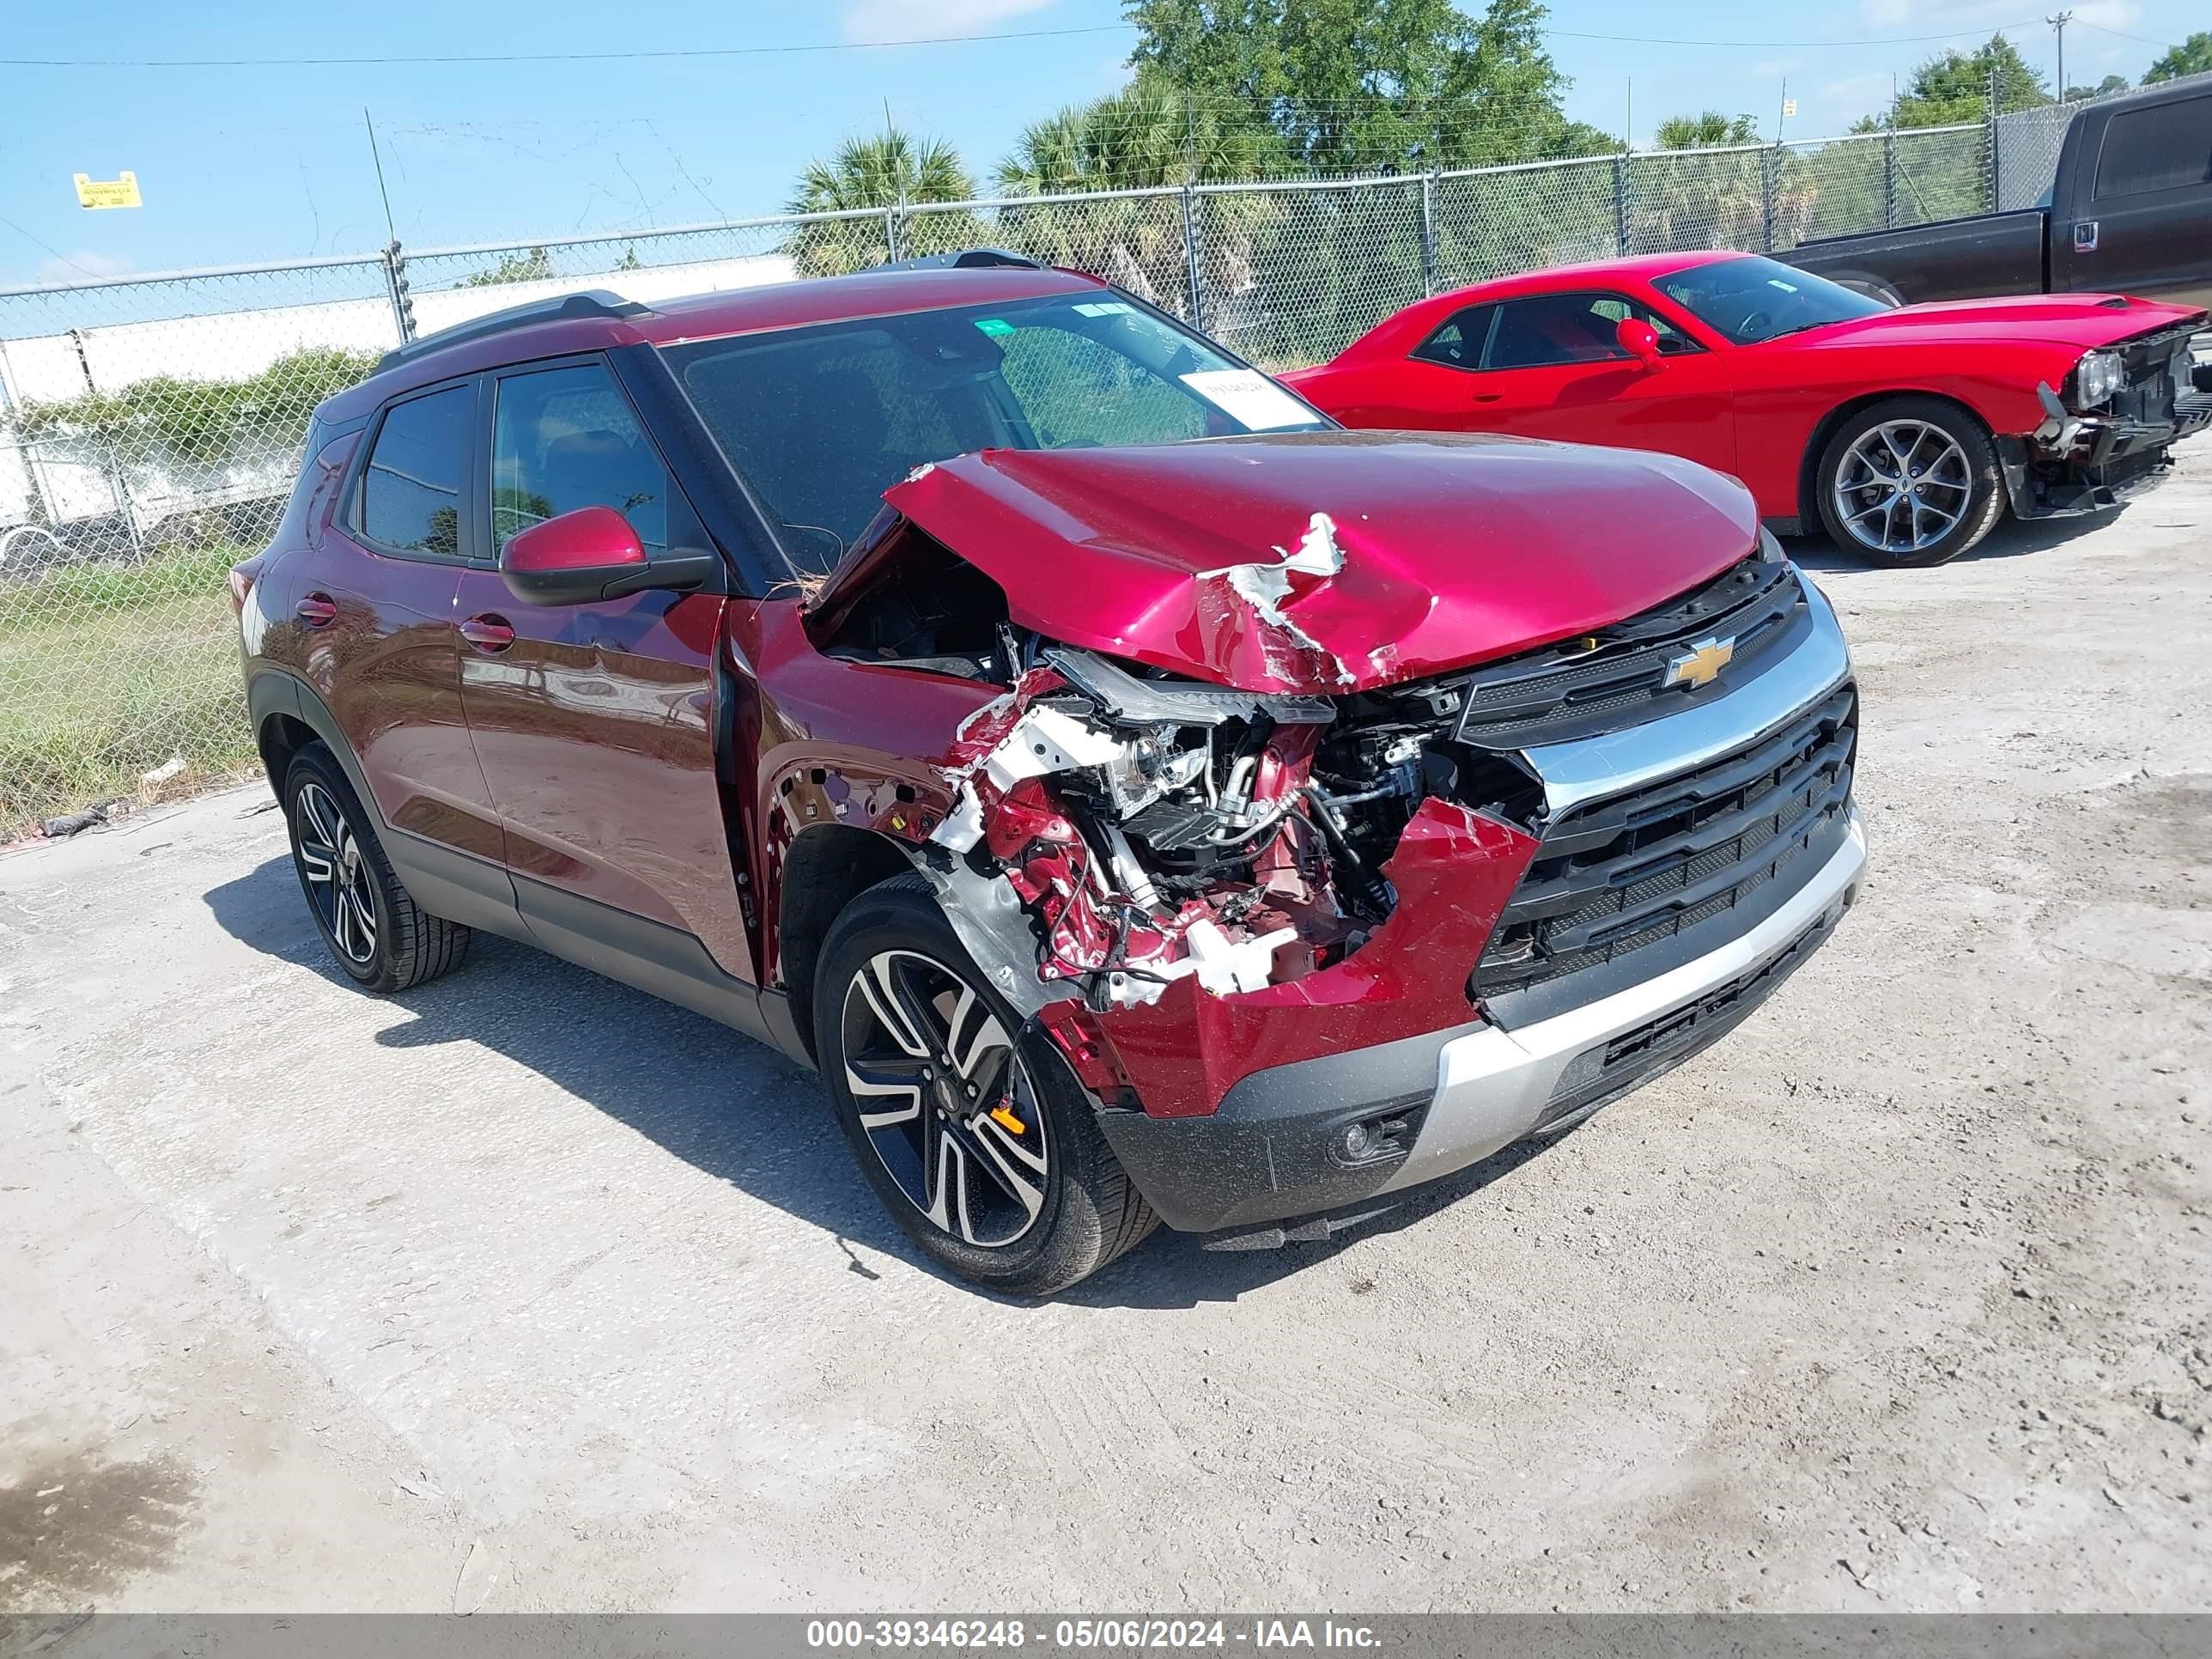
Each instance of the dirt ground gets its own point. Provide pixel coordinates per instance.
(523, 1291)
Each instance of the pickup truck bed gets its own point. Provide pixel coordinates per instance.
(2130, 212)
(1970, 259)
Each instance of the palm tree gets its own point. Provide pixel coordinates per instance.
(1149, 137)
(1700, 201)
(1708, 131)
(884, 170)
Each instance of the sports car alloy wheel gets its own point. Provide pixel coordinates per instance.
(337, 874)
(1904, 486)
(945, 1102)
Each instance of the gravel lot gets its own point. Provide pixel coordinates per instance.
(525, 1291)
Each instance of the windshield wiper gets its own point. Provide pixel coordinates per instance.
(1822, 322)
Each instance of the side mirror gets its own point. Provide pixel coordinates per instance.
(592, 554)
(1638, 339)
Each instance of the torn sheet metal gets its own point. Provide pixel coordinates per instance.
(1407, 556)
(1453, 871)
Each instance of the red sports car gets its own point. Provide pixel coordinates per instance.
(1905, 432)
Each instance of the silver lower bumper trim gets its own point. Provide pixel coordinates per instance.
(1492, 1085)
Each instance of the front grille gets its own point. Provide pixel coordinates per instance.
(1619, 676)
(1615, 877)
(2156, 366)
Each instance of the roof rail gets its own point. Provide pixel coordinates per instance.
(968, 259)
(595, 302)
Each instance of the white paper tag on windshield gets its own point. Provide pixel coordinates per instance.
(1102, 308)
(1247, 395)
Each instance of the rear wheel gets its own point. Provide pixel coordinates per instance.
(978, 1139)
(375, 931)
(1910, 481)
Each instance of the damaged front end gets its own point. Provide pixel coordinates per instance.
(2109, 432)
(1216, 882)
(1315, 922)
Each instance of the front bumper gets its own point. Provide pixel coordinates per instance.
(1325, 1098)
(2095, 462)
(1269, 1153)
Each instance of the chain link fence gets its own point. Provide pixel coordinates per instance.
(150, 427)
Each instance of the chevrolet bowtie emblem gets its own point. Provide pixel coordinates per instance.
(1701, 663)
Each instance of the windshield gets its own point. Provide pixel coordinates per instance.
(1754, 300)
(822, 421)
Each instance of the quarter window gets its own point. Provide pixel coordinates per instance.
(565, 438)
(410, 490)
(1458, 342)
(2166, 147)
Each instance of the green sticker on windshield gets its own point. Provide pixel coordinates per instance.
(994, 326)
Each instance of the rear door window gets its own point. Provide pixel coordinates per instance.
(411, 489)
(1547, 330)
(2167, 146)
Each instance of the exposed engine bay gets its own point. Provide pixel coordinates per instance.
(1158, 828)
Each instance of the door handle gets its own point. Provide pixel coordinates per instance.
(1488, 396)
(317, 609)
(2085, 236)
(489, 633)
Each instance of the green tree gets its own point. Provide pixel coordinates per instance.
(1365, 85)
(1707, 130)
(1148, 135)
(1577, 138)
(164, 421)
(2104, 89)
(884, 169)
(1953, 86)
(2192, 57)
(1700, 201)
(881, 170)
(532, 267)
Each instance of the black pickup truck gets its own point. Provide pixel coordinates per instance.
(2129, 212)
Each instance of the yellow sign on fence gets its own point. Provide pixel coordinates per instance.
(116, 192)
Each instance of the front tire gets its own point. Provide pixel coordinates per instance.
(974, 1134)
(377, 934)
(1909, 481)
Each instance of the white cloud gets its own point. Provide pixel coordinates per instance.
(2108, 14)
(877, 23)
(1871, 90)
(75, 267)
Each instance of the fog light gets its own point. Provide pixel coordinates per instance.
(1387, 1132)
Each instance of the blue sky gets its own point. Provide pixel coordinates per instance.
(241, 164)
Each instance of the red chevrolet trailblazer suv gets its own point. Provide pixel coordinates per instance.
(1137, 796)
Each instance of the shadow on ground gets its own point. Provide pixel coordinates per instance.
(2012, 539)
(733, 1108)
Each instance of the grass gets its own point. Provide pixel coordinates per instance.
(109, 671)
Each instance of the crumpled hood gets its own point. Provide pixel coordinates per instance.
(2076, 322)
(1325, 561)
